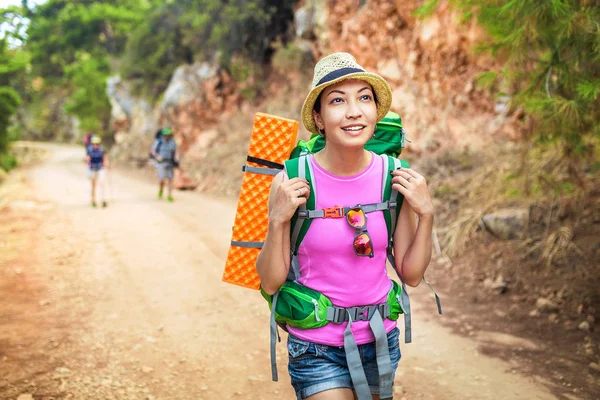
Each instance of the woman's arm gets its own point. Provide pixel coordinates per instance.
(273, 262)
(412, 239)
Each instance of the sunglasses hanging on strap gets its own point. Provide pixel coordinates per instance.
(357, 218)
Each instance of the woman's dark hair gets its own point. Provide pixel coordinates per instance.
(317, 106)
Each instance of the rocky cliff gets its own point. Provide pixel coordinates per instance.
(430, 64)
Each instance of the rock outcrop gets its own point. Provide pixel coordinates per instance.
(508, 223)
(192, 104)
(430, 64)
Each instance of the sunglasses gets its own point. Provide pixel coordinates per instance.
(363, 245)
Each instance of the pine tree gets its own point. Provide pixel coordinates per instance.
(551, 55)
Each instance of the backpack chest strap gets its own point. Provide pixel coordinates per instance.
(340, 212)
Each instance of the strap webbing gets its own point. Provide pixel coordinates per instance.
(394, 212)
(367, 208)
(387, 179)
(298, 225)
(294, 272)
(257, 170)
(437, 298)
(274, 333)
(357, 373)
(404, 299)
(252, 245)
(265, 163)
(382, 352)
(374, 314)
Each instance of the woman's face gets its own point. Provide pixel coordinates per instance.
(348, 113)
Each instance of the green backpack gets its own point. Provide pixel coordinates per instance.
(299, 306)
(388, 139)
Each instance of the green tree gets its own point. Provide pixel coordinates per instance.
(183, 31)
(72, 45)
(13, 61)
(551, 54)
(87, 78)
(59, 29)
(155, 49)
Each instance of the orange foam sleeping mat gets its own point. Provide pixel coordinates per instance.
(273, 139)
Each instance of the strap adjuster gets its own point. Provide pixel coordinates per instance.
(363, 313)
(333, 212)
(339, 315)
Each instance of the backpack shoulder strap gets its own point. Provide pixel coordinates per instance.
(294, 168)
(301, 168)
(389, 194)
(391, 217)
(391, 220)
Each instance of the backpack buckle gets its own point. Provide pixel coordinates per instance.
(363, 313)
(333, 212)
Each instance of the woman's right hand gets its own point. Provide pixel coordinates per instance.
(289, 195)
(273, 261)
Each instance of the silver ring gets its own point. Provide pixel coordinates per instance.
(299, 192)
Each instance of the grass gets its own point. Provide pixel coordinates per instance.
(8, 161)
(445, 191)
(471, 185)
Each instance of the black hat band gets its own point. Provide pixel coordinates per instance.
(338, 73)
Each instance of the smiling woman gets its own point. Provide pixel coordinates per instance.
(341, 260)
(346, 117)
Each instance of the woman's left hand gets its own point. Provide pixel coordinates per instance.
(414, 188)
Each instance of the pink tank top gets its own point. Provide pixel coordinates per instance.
(326, 255)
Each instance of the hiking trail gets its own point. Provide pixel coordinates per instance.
(127, 303)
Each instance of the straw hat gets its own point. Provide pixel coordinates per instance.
(337, 67)
(96, 140)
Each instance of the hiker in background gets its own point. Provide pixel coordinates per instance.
(87, 140)
(344, 256)
(164, 151)
(97, 161)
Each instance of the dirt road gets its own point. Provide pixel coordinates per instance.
(127, 303)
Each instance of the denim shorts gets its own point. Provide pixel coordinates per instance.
(315, 368)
